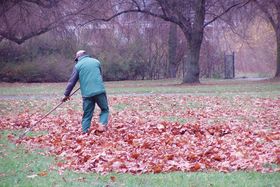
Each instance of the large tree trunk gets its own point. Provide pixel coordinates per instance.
(172, 50)
(277, 74)
(194, 35)
(272, 12)
(192, 64)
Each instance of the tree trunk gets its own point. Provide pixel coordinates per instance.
(277, 74)
(192, 70)
(273, 16)
(194, 35)
(172, 50)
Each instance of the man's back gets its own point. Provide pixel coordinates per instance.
(90, 76)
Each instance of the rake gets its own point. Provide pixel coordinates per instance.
(26, 131)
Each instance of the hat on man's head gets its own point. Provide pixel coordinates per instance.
(79, 54)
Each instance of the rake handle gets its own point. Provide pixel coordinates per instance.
(24, 133)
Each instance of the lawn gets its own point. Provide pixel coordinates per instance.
(163, 133)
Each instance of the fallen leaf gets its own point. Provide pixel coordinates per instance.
(113, 178)
(196, 167)
(42, 174)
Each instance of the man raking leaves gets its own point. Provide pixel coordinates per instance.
(88, 71)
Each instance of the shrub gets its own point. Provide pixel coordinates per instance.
(42, 69)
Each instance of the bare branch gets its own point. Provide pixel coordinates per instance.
(268, 15)
(137, 10)
(8, 35)
(12, 33)
(6, 7)
(225, 11)
(44, 3)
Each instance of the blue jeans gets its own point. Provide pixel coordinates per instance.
(88, 108)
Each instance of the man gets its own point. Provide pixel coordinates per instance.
(88, 71)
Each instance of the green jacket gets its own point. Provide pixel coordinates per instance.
(88, 72)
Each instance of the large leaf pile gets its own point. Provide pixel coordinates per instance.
(163, 133)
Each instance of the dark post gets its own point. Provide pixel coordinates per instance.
(229, 66)
(233, 64)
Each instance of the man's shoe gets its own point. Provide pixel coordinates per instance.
(85, 133)
(102, 128)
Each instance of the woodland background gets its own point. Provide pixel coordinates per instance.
(134, 40)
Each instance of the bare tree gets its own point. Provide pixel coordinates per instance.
(191, 16)
(271, 10)
(24, 19)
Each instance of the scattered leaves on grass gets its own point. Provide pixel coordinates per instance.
(242, 133)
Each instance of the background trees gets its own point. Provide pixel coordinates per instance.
(147, 39)
(192, 17)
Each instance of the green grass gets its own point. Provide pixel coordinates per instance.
(20, 166)
(207, 87)
(121, 106)
(176, 119)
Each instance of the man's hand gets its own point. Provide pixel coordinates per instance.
(66, 98)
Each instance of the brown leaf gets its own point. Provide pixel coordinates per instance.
(134, 155)
(169, 156)
(196, 167)
(43, 174)
(157, 168)
(217, 157)
(113, 178)
(192, 157)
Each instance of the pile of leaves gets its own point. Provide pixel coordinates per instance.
(163, 133)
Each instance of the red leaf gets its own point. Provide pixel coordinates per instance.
(59, 164)
(196, 167)
(11, 137)
(146, 145)
(278, 159)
